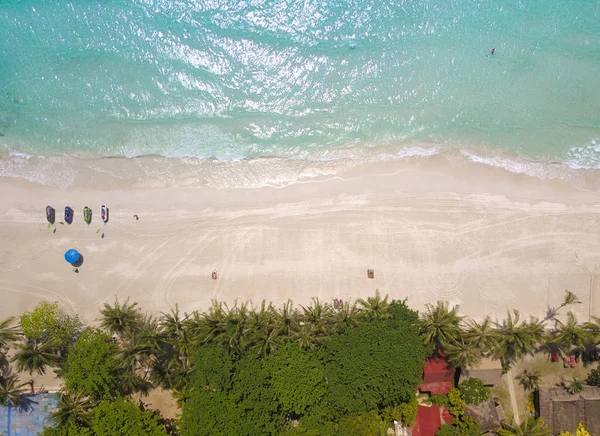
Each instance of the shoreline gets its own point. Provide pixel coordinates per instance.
(88, 171)
(432, 228)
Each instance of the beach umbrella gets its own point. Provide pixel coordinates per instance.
(72, 256)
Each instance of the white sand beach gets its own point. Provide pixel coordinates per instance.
(431, 228)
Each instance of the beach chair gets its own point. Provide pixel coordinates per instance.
(573, 363)
(554, 356)
(565, 362)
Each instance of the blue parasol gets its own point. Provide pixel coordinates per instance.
(72, 256)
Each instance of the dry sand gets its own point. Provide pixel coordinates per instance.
(431, 229)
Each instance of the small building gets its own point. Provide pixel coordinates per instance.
(488, 370)
(562, 411)
(429, 419)
(438, 375)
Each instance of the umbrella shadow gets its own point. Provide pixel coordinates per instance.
(79, 261)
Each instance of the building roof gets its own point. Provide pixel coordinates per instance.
(562, 411)
(486, 414)
(429, 419)
(438, 375)
(488, 370)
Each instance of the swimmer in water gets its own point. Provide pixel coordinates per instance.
(493, 50)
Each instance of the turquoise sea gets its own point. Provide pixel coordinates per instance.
(236, 79)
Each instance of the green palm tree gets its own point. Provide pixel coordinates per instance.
(150, 334)
(440, 326)
(530, 427)
(570, 298)
(319, 315)
(516, 339)
(264, 341)
(287, 319)
(530, 379)
(73, 408)
(260, 318)
(8, 333)
(570, 334)
(482, 336)
(120, 318)
(11, 389)
(206, 328)
(461, 354)
(375, 307)
(346, 317)
(172, 324)
(36, 355)
(136, 353)
(234, 327)
(308, 337)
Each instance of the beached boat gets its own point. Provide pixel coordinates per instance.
(87, 215)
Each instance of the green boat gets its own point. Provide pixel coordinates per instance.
(87, 215)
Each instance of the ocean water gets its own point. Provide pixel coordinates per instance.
(290, 79)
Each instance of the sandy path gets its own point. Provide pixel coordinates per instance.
(485, 239)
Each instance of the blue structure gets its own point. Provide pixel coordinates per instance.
(72, 256)
(15, 422)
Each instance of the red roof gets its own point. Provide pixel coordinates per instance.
(429, 419)
(438, 375)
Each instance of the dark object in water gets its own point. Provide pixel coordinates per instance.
(50, 214)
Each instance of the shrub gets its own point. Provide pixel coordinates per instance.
(594, 377)
(405, 412)
(48, 320)
(456, 406)
(473, 391)
(439, 400)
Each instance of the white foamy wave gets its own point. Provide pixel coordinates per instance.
(519, 165)
(70, 171)
(586, 157)
(51, 171)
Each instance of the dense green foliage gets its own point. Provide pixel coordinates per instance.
(374, 365)
(305, 387)
(405, 412)
(49, 321)
(120, 417)
(465, 426)
(244, 402)
(368, 423)
(473, 391)
(91, 366)
(320, 369)
(117, 418)
(298, 378)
